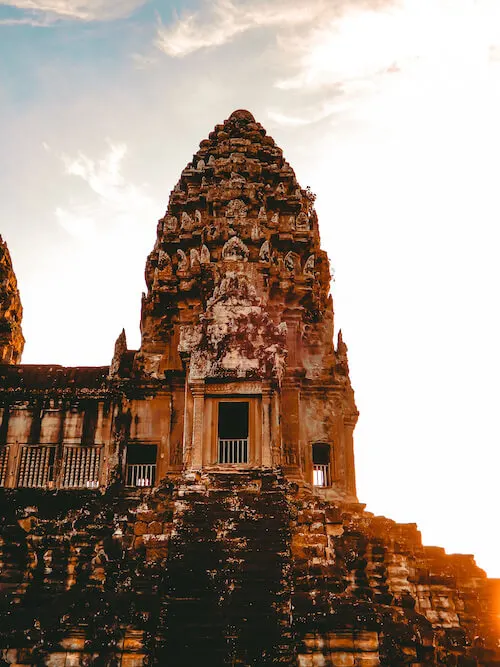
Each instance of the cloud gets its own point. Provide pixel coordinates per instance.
(104, 176)
(108, 201)
(83, 10)
(406, 35)
(350, 42)
(33, 22)
(78, 223)
(287, 121)
(312, 115)
(143, 61)
(220, 21)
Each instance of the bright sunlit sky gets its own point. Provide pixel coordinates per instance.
(388, 109)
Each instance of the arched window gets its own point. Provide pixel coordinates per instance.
(321, 464)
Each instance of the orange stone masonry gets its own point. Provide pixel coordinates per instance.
(194, 503)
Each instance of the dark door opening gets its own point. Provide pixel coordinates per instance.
(321, 464)
(232, 432)
(141, 465)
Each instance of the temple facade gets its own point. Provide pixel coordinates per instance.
(194, 503)
(237, 366)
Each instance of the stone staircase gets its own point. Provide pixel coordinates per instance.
(227, 590)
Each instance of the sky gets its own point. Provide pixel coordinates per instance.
(387, 109)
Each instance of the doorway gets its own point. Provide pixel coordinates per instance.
(321, 464)
(232, 432)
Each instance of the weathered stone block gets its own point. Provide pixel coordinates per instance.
(366, 641)
(155, 528)
(341, 640)
(334, 529)
(140, 527)
(60, 660)
(305, 516)
(132, 660)
(307, 539)
(341, 659)
(305, 660)
(26, 524)
(373, 660)
(158, 539)
(317, 528)
(156, 553)
(133, 643)
(73, 643)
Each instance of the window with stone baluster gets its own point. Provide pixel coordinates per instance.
(141, 465)
(321, 456)
(233, 427)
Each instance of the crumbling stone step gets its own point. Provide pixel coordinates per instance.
(227, 579)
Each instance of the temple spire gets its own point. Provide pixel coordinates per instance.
(238, 305)
(11, 311)
(120, 350)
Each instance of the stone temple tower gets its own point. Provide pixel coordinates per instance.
(194, 503)
(239, 319)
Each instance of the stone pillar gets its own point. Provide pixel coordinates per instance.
(102, 427)
(198, 392)
(8, 452)
(276, 436)
(59, 461)
(161, 431)
(188, 423)
(350, 472)
(292, 347)
(295, 461)
(267, 458)
(103, 437)
(11, 476)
